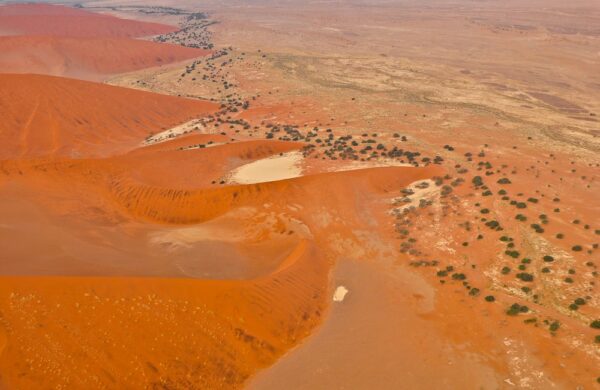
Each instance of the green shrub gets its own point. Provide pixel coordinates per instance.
(514, 309)
(524, 276)
(474, 291)
(492, 224)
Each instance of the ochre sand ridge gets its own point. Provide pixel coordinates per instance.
(64, 41)
(185, 333)
(56, 20)
(86, 58)
(45, 116)
(233, 328)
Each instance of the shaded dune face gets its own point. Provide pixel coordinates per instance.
(139, 266)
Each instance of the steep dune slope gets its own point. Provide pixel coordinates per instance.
(86, 58)
(175, 333)
(169, 333)
(46, 19)
(46, 116)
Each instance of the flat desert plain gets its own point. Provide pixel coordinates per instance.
(300, 194)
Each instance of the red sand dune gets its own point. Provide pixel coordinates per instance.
(158, 332)
(197, 168)
(155, 333)
(45, 19)
(47, 116)
(169, 333)
(86, 58)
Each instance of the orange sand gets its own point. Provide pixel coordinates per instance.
(86, 58)
(46, 116)
(45, 19)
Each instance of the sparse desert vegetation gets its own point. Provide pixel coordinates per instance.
(179, 211)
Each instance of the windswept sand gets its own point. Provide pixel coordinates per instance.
(45, 116)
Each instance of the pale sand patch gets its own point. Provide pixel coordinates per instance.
(284, 166)
(340, 294)
(175, 238)
(356, 165)
(420, 190)
(173, 132)
(227, 229)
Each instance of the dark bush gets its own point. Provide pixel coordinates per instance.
(524, 276)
